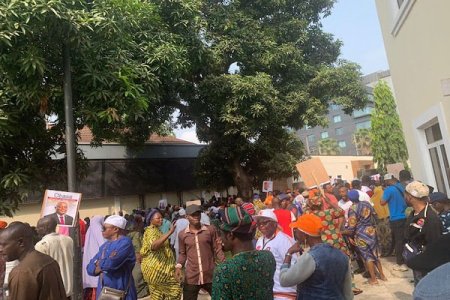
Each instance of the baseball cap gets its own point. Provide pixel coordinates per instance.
(117, 221)
(309, 224)
(388, 176)
(193, 209)
(417, 189)
(266, 214)
(438, 197)
(283, 196)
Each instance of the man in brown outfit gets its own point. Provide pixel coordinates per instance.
(37, 276)
(199, 248)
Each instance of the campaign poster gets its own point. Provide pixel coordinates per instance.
(267, 186)
(62, 206)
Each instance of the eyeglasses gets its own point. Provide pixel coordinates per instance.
(263, 223)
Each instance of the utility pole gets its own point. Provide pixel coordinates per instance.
(71, 170)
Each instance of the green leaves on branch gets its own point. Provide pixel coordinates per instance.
(388, 142)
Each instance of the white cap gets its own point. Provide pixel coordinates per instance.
(266, 213)
(182, 212)
(117, 221)
(389, 176)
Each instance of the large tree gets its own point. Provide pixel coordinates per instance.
(388, 142)
(268, 68)
(329, 147)
(126, 61)
(362, 141)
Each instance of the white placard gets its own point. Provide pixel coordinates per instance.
(267, 186)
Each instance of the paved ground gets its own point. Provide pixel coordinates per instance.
(398, 286)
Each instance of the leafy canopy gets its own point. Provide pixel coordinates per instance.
(388, 142)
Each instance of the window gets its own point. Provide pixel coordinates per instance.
(438, 156)
(337, 119)
(334, 107)
(342, 144)
(363, 125)
(339, 131)
(362, 112)
(311, 138)
(324, 135)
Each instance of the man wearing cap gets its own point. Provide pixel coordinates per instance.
(199, 249)
(393, 196)
(441, 204)
(423, 224)
(277, 242)
(59, 247)
(249, 273)
(115, 259)
(323, 272)
(180, 224)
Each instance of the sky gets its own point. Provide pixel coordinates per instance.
(355, 23)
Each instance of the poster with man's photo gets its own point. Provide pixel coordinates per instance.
(62, 206)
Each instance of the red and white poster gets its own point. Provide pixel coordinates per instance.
(62, 206)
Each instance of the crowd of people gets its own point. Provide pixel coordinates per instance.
(300, 244)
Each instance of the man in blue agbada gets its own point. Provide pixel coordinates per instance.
(115, 259)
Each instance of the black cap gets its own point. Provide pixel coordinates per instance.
(438, 197)
(193, 209)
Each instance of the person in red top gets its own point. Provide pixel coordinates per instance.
(328, 189)
(246, 205)
(284, 216)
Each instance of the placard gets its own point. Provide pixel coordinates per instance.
(162, 204)
(267, 186)
(192, 202)
(313, 172)
(61, 206)
(395, 169)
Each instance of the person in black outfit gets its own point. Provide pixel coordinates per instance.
(423, 225)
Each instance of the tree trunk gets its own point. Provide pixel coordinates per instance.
(241, 180)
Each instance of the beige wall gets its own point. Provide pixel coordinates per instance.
(342, 165)
(106, 206)
(419, 60)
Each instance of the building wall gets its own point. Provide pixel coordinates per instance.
(344, 165)
(418, 47)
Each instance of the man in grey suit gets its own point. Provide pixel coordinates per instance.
(60, 215)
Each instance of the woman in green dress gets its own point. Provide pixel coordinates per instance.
(158, 261)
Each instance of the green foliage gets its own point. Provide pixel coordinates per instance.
(363, 141)
(329, 147)
(286, 75)
(126, 65)
(388, 142)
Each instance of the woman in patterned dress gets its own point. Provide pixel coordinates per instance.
(158, 262)
(361, 224)
(331, 220)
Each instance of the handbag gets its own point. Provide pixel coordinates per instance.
(410, 250)
(109, 293)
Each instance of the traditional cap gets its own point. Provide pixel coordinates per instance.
(117, 221)
(353, 195)
(388, 176)
(438, 197)
(435, 285)
(3, 224)
(315, 201)
(313, 193)
(193, 209)
(181, 212)
(236, 219)
(255, 196)
(309, 224)
(417, 189)
(266, 214)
